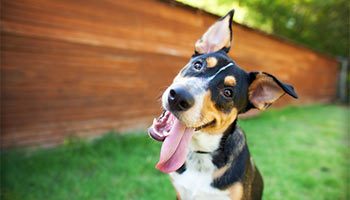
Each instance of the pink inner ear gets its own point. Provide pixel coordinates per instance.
(265, 93)
(215, 38)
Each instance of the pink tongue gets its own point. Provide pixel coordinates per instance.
(174, 148)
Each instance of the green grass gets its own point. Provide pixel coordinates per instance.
(301, 152)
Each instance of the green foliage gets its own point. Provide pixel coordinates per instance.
(300, 151)
(321, 25)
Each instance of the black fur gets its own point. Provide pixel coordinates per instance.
(221, 155)
(231, 148)
(182, 169)
(240, 90)
(235, 172)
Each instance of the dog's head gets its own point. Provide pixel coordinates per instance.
(208, 94)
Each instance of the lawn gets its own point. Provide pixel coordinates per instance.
(302, 153)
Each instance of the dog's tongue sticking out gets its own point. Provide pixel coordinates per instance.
(174, 148)
(176, 140)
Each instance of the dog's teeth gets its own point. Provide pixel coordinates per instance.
(160, 135)
(166, 133)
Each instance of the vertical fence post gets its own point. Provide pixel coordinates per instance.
(342, 86)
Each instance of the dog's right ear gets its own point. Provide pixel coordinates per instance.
(217, 37)
(265, 89)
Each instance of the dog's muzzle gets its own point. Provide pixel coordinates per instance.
(180, 99)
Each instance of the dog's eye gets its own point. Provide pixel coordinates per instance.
(228, 93)
(198, 65)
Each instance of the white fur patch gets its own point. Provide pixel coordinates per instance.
(202, 141)
(194, 182)
(222, 69)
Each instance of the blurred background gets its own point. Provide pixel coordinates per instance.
(73, 70)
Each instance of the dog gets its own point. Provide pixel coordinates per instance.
(204, 151)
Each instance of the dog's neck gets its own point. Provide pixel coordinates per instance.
(222, 147)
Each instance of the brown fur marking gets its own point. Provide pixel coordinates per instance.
(236, 191)
(230, 81)
(223, 120)
(219, 172)
(211, 62)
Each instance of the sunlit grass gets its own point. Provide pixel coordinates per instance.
(301, 152)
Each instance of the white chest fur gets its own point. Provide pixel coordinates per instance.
(194, 183)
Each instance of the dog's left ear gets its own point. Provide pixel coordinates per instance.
(265, 89)
(217, 37)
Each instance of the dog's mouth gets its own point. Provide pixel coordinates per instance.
(175, 137)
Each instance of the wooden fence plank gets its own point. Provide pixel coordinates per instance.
(81, 68)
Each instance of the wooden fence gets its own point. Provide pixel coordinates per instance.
(82, 68)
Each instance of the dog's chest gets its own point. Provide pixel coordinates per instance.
(195, 182)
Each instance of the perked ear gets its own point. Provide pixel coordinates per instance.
(217, 37)
(265, 89)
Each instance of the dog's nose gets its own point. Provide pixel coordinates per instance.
(180, 99)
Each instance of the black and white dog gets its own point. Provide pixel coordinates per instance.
(204, 150)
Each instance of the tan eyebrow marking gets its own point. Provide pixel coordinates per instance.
(230, 81)
(211, 62)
